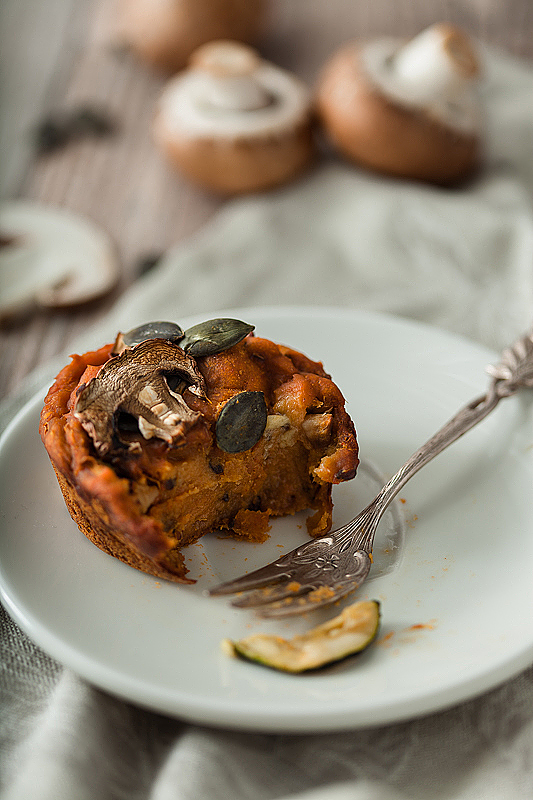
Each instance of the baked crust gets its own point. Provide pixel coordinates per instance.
(142, 506)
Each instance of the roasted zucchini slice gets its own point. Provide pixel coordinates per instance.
(348, 633)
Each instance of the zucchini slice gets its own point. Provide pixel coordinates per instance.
(348, 633)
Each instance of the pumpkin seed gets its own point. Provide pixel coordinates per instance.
(153, 330)
(214, 336)
(241, 422)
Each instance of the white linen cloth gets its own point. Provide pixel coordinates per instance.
(459, 259)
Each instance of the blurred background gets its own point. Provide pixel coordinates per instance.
(62, 56)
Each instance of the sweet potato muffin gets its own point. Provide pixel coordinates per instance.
(166, 435)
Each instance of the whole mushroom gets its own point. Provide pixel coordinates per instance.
(164, 33)
(408, 109)
(235, 123)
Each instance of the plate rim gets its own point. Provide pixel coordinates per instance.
(215, 713)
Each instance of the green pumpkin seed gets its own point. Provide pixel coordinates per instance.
(214, 336)
(241, 422)
(153, 330)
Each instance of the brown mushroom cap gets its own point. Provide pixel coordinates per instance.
(235, 123)
(166, 32)
(394, 126)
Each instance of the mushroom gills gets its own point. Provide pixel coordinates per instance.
(346, 634)
(134, 386)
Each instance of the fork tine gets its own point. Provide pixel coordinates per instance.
(272, 573)
(282, 567)
(316, 598)
(271, 594)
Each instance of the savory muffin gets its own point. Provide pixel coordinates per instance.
(166, 435)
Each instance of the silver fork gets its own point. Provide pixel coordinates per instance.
(325, 569)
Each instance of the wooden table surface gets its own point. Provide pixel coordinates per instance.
(59, 54)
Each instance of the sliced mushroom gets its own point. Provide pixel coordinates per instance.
(138, 384)
(164, 34)
(233, 122)
(52, 258)
(408, 109)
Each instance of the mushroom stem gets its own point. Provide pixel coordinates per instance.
(437, 62)
(226, 77)
(232, 94)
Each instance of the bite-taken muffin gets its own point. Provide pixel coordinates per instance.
(166, 435)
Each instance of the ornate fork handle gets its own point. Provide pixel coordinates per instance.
(515, 371)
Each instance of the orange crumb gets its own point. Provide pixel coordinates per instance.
(322, 593)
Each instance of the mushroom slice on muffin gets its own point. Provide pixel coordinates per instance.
(143, 383)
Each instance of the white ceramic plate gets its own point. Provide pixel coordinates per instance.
(457, 605)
